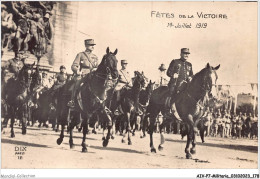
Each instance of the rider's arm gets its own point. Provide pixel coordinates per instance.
(16, 10)
(76, 64)
(170, 69)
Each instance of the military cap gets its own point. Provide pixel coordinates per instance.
(124, 62)
(62, 67)
(89, 42)
(185, 50)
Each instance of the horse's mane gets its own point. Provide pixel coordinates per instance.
(199, 75)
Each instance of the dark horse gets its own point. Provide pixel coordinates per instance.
(129, 103)
(18, 97)
(144, 98)
(189, 105)
(89, 99)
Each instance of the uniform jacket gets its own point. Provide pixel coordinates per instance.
(61, 78)
(13, 66)
(123, 79)
(88, 60)
(182, 67)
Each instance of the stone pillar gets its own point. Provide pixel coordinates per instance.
(64, 35)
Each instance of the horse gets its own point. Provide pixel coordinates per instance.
(18, 97)
(189, 105)
(144, 98)
(89, 99)
(129, 103)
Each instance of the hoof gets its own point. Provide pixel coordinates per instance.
(123, 141)
(112, 137)
(160, 148)
(57, 130)
(133, 134)
(129, 143)
(153, 150)
(72, 146)
(103, 138)
(84, 150)
(24, 131)
(105, 142)
(12, 135)
(193, 151)
(79, 129)
(59, 141)
(188, 156)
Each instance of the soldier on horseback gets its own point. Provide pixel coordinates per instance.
(84, 63)
(124, 79)
(13, 66)
(180, 73)
(61, 77)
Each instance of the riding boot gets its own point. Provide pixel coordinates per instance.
(170, 101)
(71, 103)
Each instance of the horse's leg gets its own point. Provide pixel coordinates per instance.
(12, 112)
(85, 131)
(123, 127)
(193, 149)
(160, 147)
(71, 136)
(24, 118)
(202, 133)
(189, 140)
(151, 130)
(60, 139)
(104, 131)
(129, 128)
(113, 129)
(105, 142)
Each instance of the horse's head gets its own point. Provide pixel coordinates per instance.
(25, 74)
(206, 78)
(150, 87)
(202, 82)
(139, 79)
(108, 64)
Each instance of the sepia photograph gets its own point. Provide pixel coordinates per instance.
(129, 85)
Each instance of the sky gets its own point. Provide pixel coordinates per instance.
(145, 41)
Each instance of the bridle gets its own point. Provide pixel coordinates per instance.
(204, 89)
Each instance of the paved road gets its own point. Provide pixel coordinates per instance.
(43, 152)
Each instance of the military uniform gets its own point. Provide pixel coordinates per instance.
(13, 66)
(85, 62)
(61, 78)
(181, 67)
(88, 61)
(123, 79)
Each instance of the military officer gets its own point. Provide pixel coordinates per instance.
(61, 77)
(124, 75)
(124, 78)
(84, 63)
(13, 66)
(180, 72)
